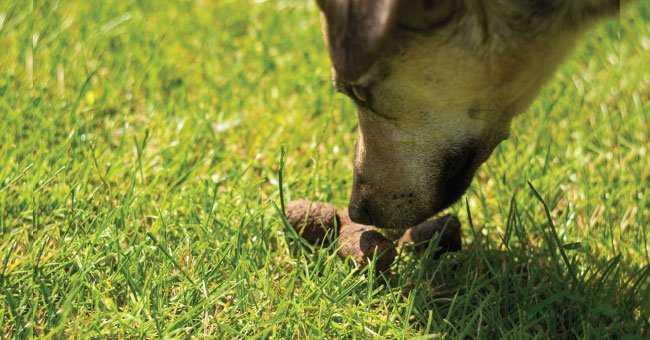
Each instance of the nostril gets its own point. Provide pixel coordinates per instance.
(359, 214)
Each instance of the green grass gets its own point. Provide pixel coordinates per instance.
(140, 146)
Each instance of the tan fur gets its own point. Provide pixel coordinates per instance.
(450, 77)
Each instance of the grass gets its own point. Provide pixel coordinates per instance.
(140, 147)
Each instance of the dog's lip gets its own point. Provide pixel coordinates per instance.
(407, 221)
(403, 218)
(457, 182)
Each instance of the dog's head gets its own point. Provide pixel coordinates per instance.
(436, 84)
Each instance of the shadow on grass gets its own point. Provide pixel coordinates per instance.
(528, 284)
(524, 291)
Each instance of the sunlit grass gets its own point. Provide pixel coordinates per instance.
(140, 146)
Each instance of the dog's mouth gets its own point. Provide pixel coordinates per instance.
(406, 211)
(461, 169)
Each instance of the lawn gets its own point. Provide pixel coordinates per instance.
(141, 144)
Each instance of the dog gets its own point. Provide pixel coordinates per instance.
(436, 84)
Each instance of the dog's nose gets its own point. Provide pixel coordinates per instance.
(359, 213)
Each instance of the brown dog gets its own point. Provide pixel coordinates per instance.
(436, 84)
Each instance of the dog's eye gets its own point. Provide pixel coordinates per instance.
(359, 93)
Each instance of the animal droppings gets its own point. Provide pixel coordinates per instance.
(448, 227)
(313, 221)
(363, 243)
(317, 223)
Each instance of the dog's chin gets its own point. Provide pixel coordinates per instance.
(397, 218)
(403, 220)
